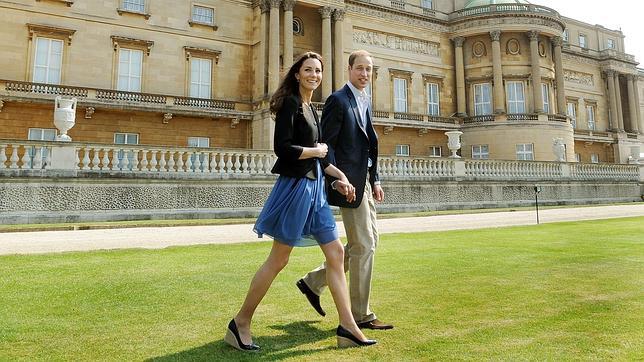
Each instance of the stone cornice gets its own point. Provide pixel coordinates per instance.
(391, 14)
(203, 52)
(40, 29)
(118, 41)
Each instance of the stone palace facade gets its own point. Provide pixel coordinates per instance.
(516, 78)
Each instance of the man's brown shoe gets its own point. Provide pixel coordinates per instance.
(375, 324)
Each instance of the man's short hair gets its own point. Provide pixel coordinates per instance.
(358, 53)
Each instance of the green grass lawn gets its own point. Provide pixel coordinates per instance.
(567, 291)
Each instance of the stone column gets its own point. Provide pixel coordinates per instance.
(610, 79)
(288, 33)
(537, 97)
(632, 105)
(461, 110)
(274, 46)
(261, 66)
(327, 79)
(618, 99)
(637, 105)
(338, 49)
(559, 76)
(499, 93)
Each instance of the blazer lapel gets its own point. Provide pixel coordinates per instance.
(354, 107)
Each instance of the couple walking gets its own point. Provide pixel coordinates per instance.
(344, 147)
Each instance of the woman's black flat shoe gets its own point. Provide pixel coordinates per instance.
(233, 339)
(347, 339)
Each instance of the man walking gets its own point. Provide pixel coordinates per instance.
(348, 131)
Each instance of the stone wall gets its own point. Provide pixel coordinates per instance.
(53, 199)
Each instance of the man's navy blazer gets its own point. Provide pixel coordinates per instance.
(350, 144)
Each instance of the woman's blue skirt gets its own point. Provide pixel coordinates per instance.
(297, 212)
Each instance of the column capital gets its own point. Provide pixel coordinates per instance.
(338, 14)
(264, 6)
(533, 35)
(610, 73)
(325, 12)
(630, 77)
(274, 3)
(557, 41)
(495, 35)
(289, 5)
(458, 41)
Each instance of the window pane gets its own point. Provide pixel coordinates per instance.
(42, 50)
(119, 138)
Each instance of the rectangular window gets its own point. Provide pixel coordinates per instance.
(590, 117)
(435, 151)
(545, 94)
(433, 100)
(610, 43)
(565, 35)
(40, 134)
(134, 5)
(400, 95)
(402, 150)
(480, 152)
(582, 40)
(130, 70)
(572, 113)
(577, 157)
(482, 99)
(48, 61)
(516, 97)
(125, 139)
(525, 152)
(594, 158)
(200, 77)
(426, 4)
(204, 15)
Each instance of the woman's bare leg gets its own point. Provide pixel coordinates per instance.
(275, 262)
(334, 253)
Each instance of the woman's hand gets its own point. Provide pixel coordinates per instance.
(344, 187)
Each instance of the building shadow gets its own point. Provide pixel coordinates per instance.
(273, 348)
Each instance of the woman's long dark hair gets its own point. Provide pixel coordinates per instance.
(289, 85)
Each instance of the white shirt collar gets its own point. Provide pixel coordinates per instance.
(356, 93)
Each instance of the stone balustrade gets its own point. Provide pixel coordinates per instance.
(495, 9)
(38, 158)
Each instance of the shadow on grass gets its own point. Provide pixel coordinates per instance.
(274, 348)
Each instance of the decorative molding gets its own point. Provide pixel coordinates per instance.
(506, 22)
(1, 105)
(458, 41)
(288, 5)
(478, 49)
(542, 49)
(376, 12)
(495, 35)
(275, 4)
(339, 14)
(395, 42)
(513, 47)
(422, 131)
(325, 12)
(578, 77)
(433, 78)
(557, 41)
(264, 6)
(118, 41)
(387, 129)
(234, 122)
(533, 35)
(89, 111)
(66, 2)
(40, 29)
(122, 11)
(202, 52)
(400, 73)
(166, 118)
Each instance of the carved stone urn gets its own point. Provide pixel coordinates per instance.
(64, 117)
(559, 149)
(454, 142)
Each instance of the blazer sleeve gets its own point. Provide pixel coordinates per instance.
(332, 119)
(283, 141)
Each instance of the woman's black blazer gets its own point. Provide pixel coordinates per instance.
(292, 132)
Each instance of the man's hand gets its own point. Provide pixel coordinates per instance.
(378, 194)
(345, 188)
(322, 149)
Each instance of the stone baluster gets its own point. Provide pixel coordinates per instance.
(77, 158)
(86, 158)
(37, 163)
(461, 110)
(144, 160)
(537, 96)
(171, 162)
(198, 164)
(105, 162)
(163, 164)
(244, 164)
(134, 166)
(26, 158)
(13, 160)
(153, 161)
(180, 162)
(260, 164)
(3, 157)
(327, 85)
(229, 163)
(189, 163)
(95, 159)
(497, 70)
(222, 164)
(237, 163)
(125, 161)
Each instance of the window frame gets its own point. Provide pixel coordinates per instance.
(130, 76)
(610, 44)
(201, 81)
(479, 154)
(119, 42)
(49, 55)
(400, 148)
(565, 35)
(545, 96)
(400, 101)
(432, 152)
(122, 9)
(590, 117)
(488, 104)
(594, 158)
(194, 22)
(583, 44)
(512, 92)
(202, 53)
(524, 152)
(433, 107)
(50, 32)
